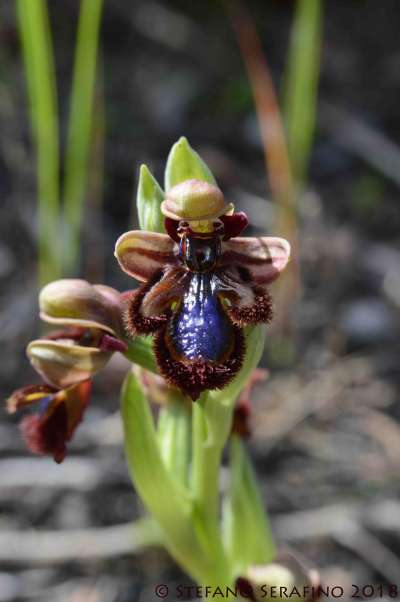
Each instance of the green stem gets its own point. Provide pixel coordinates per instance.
(206, 459)
(174, 431)
(171, 504)
(301, 84)
(196, 525)
(40, 73)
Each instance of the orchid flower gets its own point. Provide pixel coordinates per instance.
(202, 283)
(59, 411)
(66, 359)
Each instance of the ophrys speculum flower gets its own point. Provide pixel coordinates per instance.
(202, 284)
(90, 321)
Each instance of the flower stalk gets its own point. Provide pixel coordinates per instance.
(174, 434)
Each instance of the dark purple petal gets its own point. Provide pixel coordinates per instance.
(47, 436)
(28, 395)
(171, 227)
(241, 420)
(109, 343)
(234, 224)
(58, 415)
(245, 588)
(243, 409)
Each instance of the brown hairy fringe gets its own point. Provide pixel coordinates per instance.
(194, 377)
(258, 312)
(135, 323)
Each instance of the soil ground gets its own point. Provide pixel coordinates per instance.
(326, 436)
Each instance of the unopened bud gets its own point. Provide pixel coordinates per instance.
(76, 302)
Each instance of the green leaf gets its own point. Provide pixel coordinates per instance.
(167, 500)
(37, 47)
(149, 198)
(184, 163)
(80, 126)
(246, 531)
(301, 83)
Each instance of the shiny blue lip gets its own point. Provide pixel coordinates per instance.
(200, 329)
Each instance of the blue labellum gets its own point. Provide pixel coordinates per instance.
(200, 329)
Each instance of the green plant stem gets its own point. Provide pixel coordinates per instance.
(206, 459)
(39, 67)
(170, 503)
(174, 430)
(80, 125)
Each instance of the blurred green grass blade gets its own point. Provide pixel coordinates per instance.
(80, 125)
(37, 50)
(301, 84)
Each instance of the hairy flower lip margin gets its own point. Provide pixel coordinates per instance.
(59, 412)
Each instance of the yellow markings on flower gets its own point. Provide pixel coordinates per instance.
(36, 396)
(202, 226)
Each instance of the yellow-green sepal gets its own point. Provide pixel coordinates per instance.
(149, 198)
(184, 163)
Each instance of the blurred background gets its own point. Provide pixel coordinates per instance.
(230, 77)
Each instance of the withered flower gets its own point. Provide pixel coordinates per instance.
(202, 284)
(66, 359)
(59, 411)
